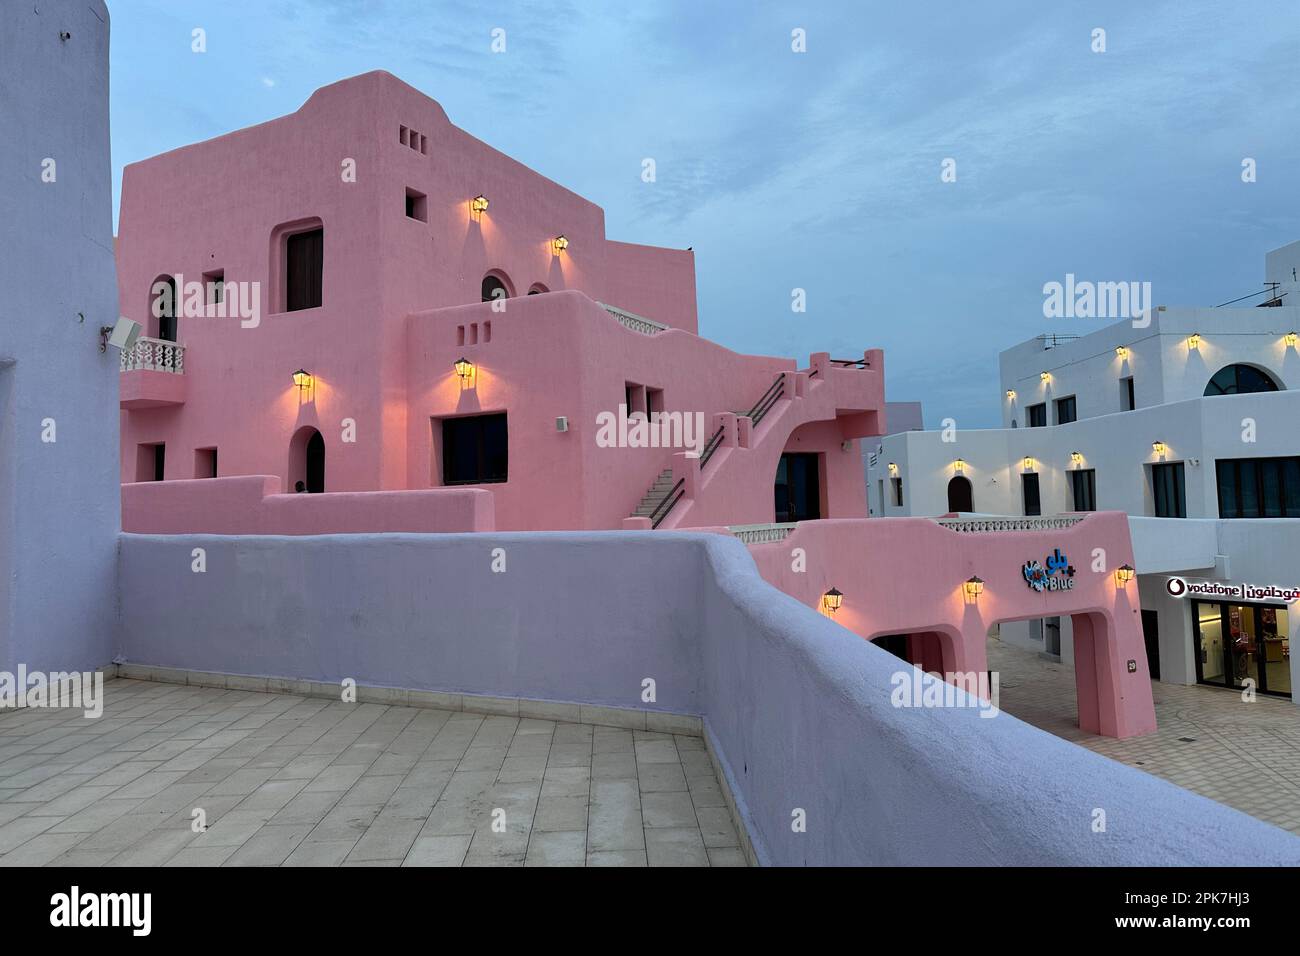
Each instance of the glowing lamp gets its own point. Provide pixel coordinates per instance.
(893, 468)
(1029, 463)
(1124, 574)
(559, 244)
(974, 586)
(1194, 340)
(1121, 351)
(1290, 340)
(479, 204)
(1011, 395)
(1045, 376)
(1158, 447)
(832, 600)
(1076, 457)
(464, 368)
(302, 378)
(959, 465)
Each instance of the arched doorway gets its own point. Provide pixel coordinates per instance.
(959, 494)
(1240, 380)
(307, 461)
(163, 307)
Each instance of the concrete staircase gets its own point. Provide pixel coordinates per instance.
(656, 493)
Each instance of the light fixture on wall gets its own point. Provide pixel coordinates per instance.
(974, 586)
(1159, 447)
(465, 369)
(1124, 574)
(1076, 458)
(559, 244)
(1121, 351)
(893, 468)
(959, 466)
(1194, 340)
(1045, 376)
(1029, 463)
(302, 378)
(1011, 395)
(1290, 340)
(479, 204)
(832, 600)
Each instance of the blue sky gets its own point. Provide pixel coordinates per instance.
(819, 170)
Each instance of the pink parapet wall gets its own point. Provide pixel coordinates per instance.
(907, 576)
(253, 504)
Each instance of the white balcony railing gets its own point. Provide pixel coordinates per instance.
(154, 355)
(637, 323)
(983, 525)
(762, 533)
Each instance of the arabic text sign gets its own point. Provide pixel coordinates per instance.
(1055, 573)
(1180, 587)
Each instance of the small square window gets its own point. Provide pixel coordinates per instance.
(417, 205)
(205, 463)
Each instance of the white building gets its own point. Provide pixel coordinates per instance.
(1187, 419)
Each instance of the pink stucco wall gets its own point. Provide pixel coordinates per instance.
(222, 204)
(906, 576)
(252, 504)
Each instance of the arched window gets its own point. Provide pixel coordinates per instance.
(538, 289)
(959, 495)
(163, 307)
(1240, 380)
(495, 287)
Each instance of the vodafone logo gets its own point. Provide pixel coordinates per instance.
(1176, 586)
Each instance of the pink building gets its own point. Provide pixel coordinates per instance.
(372, 304)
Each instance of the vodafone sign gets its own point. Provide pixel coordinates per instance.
(1180, 587)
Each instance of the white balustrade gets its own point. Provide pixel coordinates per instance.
(154, 355)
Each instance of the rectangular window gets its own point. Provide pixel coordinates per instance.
(1036, 415)
(474, 449)
(898, 492)
(417, 205)
(1258, 487)
(214, 287)
(1065, 410)
(304, 262)
(1127, 402)
(1033, 505)
(1169, 490)
(150, 461)
(1083, 484)
(205, 463)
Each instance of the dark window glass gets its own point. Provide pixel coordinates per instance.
(494, 288)
(1036, 415)
(474, 449)
(1065, 410)
(159, 461)
(166, 308)
(1032, 504)
(1084, 485)
(1170, 492)
(1258, 487)
(1131, 402)
(304, 261)
(898, 491)
(1239, 380)
(797, 488)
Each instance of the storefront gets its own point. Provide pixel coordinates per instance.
(1241, 633)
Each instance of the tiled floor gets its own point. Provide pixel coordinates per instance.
(294, 781)
(1210, 741)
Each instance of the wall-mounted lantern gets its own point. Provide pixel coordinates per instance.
(1011, 395)
(832, 600)
(465, 369)
(1159, 447)
(1194, 340)
(1045, 376)
(1121, 351)
(959, 466)
(478, 205)
(302, 378)
(1124, 574)
(559, 244)
(1076, 458)
(974, 586)
(893, 468)
(1291, 340)
(1029, 463)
